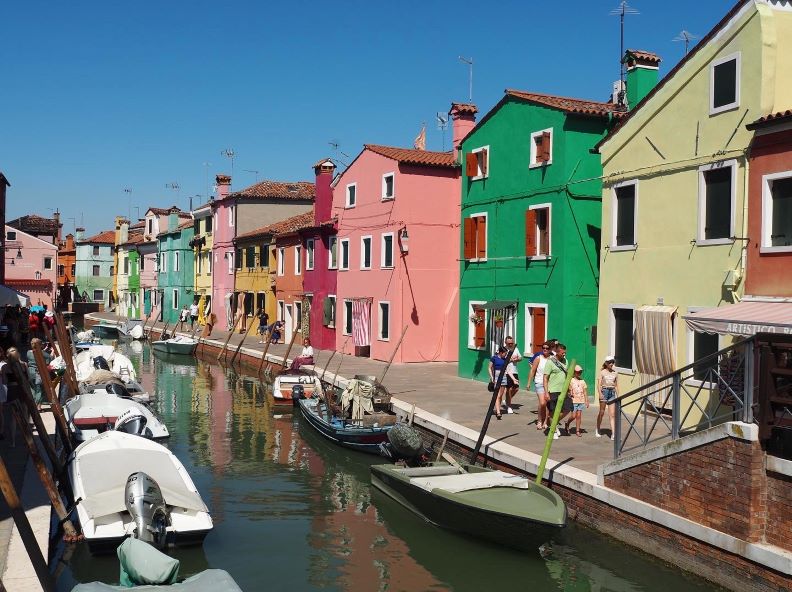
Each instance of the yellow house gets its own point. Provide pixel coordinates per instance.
(254, 275)
(202, 245)
(674, 192)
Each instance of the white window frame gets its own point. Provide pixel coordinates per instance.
(342, 243)
(728, 107)
(93, 295)
(615, 214)
(281, 261)
(174, 298)
(767, 213)
(379, 322)
(11, 235)
(231, 212)
(335, 311)
(382, 250)
(209, 263)
(330, 241)
(344, 325)
(310, 245)
(533, 164)
(529, 324)
(478, 174)
(702, 202)
(363, 239)
(471, 341)
(298, 312)
(549, 254)
(347, 202)
(384, 186)
(230, 258)
(297, 260)
(175, 260)
(689, 334)
(281, 312)
(163, 262)
(612, 336)
(484, 215)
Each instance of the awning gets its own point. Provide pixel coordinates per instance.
(743, 318)
(495, 305)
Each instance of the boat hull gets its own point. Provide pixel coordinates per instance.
(362, 439)
(182, 349)
(445, 511)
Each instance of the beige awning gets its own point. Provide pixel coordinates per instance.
(655, 350)
(744, 318)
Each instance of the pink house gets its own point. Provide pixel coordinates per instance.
(31, 266)
(396, 254)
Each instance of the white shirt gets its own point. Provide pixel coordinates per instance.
(516, 357)
(307, 352)
(194, 310)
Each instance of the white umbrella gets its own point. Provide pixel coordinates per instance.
(10, 297)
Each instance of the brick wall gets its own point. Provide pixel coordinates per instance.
(778, 530)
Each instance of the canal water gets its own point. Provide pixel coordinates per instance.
(294, 512)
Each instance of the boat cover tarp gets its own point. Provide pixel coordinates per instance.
(104, 474)
(143, 564)
(470, 481)
(360, 395)
(211, 580)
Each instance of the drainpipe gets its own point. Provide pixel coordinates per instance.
(744, 250)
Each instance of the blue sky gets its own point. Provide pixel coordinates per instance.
(97, 97)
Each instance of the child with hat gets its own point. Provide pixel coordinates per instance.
(578, 390)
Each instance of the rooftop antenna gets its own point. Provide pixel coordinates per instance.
(128, 191)
(687, 37)
(442, 124)
(469, 62)
(251, 171)
(334, 145)
(229, 152)
(206, 166)
(623, 10)
(175, 187)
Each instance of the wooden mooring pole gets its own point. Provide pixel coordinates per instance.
(266, 348)
(393, 354)
(25, 532)
(48, 337)
(288, 349)
(253, 321)
(49, 390)
(230, 333)
(66, 353)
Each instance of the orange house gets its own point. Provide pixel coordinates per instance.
(292, 304)
(67, 271)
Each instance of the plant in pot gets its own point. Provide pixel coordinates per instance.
(476, 320)
(498, 320)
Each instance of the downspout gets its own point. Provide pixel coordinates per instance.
(745, 243)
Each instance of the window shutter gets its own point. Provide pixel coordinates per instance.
(530, 233)
(544, 230)
(484, 155)
(481, 237)
(471, 164)
(470, 238)
(538, 321)
(480, 328)
(327, 311)
(544, 153)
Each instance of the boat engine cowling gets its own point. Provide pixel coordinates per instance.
(132, 421)
(146, 505)
(100, 363)
(118, 389)
(297, 392)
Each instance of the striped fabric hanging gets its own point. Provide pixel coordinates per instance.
(361, 315)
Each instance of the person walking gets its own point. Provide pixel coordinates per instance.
(554, 378)
(183, 316)
(263, 321)
(537, 376)
(578, 389)
(14, 388)
(513, 383)
(497, 363)
(193, 314)
(608, 389)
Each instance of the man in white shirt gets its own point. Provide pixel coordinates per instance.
(512, 386)
(193, 313)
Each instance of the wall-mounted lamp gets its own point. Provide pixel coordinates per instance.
(19, 254)
(404, 241)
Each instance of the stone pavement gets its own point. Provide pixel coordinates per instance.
(435, 387)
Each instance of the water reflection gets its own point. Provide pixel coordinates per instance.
(292, 511)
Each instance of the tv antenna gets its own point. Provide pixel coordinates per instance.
(469, 62)
(334, 145)
(229, 153)
(206, 166)
(128, 191)
(442, 124)
(251, 171)
(687, 37)
(623, 10)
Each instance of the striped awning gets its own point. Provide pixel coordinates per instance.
(743, 318)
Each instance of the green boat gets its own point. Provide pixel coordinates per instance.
(506, 509)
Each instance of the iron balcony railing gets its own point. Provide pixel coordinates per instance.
(710, 391)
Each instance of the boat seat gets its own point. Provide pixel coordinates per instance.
(430, 471)
(93, 422)
(469, 481)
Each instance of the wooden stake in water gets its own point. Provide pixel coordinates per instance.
(268, 337)
(393, 354)
(554, 423)
(241, 341)
(230, 333)
(288, 349)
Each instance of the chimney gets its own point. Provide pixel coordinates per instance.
(69, 246)
(122, 230)
(173, 218)
(323, 205)
(80, 234)
(643, 69)
(464, 120)
(223, 183)
(56, 217)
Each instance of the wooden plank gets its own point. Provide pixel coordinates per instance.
(244, 336)
(55, 406)
(230, 333)
(288, 349)
(393, 354)
(442, 447)
(452, 461)
(66, 353)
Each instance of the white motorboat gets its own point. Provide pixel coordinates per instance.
(132, 486)
(283, 385)
(176, 345)
(117, 362)
(93, 413)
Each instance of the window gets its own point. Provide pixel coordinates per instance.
(209, 263)
(384, 321)
(11, 235)
(142, 259)
(477, 163)
(260, 300)
(344, 254)
(332, 251)
(95, 271)
(73, 269)
(209, 221)
(112, 270)
(163, 262)
(624, 220)
(281, 310)
(388, 180)
(98, 295)
(264, 256)
(537, 231)
(95, 251)
(329, 311)
(347, 317)
(477, 325)
(199, 263)
(309, 254)
(622, 336)
(38, 275)
(535, 326)
(777, 212)
(297, 260)
(386, 260)
(47, 262)
(716, 203)
(176, 261)
(61, 269)
(541, 148)
(238, 258)
(230, 257)
(175, 296)
(149, 226)
(475, 237)
(725, 84)
(701, 345)
(351, 195)
(126, 265)
(197, 227)
(365, 252)
(231, 215)
(281, 260)
(250, 257)
(298, 316)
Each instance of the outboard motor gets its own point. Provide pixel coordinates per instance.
(100, 363)
(118, 390)
(297, 393)
(144, 502)
(132, 421)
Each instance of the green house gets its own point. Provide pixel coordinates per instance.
(531, 209)
(175, 280)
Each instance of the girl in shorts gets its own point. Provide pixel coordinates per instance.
(608, 389)
(578, 390)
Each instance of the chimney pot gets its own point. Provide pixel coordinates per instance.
(464, 120)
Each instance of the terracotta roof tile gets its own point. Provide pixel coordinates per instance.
(416, 157)
(28, 283)
(300, 190)
(35, 224)
(106, 237)
(287, 226)
(136, 225)
(166, 211)
(567, 104)
(771, 119)
(646, 57)
(469, 108)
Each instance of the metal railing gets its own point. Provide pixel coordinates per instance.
(710, 391)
